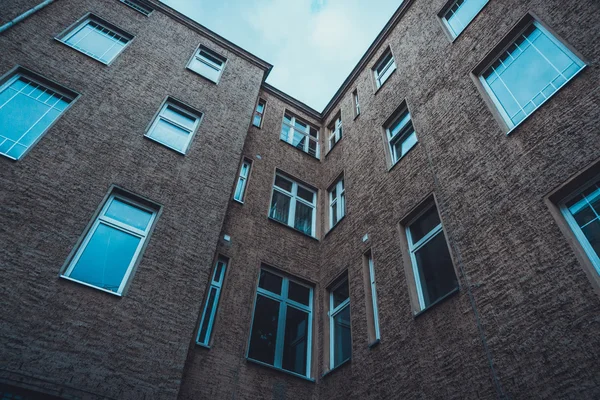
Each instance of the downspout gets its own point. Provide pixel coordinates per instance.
(25, 15)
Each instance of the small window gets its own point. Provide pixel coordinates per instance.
(27, 109)
(400, 135)
(294, 205)
(97, 39)
(300, 134)
(281, 333)
(460, 13)
(431, 263)
(384, 68)
(139, 7)
(208, 64)
(175, 126)
(371, 298)
(212, 302)
(530, 71)
(259, 113)
(335, 132)
(108, 253)
(337, 202)
(240, 188)
(356, 103)
(340, 342)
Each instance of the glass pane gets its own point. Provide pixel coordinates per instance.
(239, 190)
(213, 59)
(179, 117)
(340, 294)
(299, 293)
(581, 210)
(128, 214)
(256, 120)
(399, 124)
(219, 271)
(205, 70)
(171, 135)
(405, 143)
(303, 220)
(305, 194)
(422, 226)
(334, 212)
(19, 115)
(210, 304)
(459, 17)
(283, 183)
(295, 343)
(312, 148)
(260, 107)
(342, 341)
(264, 330)
(93, 40)
(298, 140)
(592, 233)
(280, 207)
(270, 282)
(384, 63)
(435, 269)
(106, 258)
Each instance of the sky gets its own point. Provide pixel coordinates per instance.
(312, 44)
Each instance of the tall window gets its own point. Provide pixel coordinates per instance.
(98, 39)
(294, 205)
(27, 109)
(401, 135)
(371, 298)
(240, 188)
(432, 266)
(281, 333)
(530, 71)
(259, 113)
(300, 135)
(136, 5)
(337, 202)
(175, 126)
(110, 249)
(384, 68)
(356, 103)
(340, 346)
(208, 64)
(461, 13)
(212, 301)
(582, 212)
(335, 132)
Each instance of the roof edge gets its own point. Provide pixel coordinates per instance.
(295, 102)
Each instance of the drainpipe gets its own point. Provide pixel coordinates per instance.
(25, 15)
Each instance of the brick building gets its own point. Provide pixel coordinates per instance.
(174, 227)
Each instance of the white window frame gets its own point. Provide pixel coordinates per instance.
(333, 311)
(292, 129)
(216, 283)
(374, 295)
(139, 7)
(202, 59)
(449, 10)
(258, 114)
(101, 218)
(356, 103)
(402, 134)
(242, 180)
(170, 103)
(335, 132)
(284, 302)
(391, 64)
(293, 195)
(339, 200)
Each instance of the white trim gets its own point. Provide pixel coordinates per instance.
(339, 201)
(333, 311)
(199, 57)
(335, 132)
(390, 65)
(291, 128)
(216, 284)
(242, 181)
(259, 114)
(191, 132)
(294, 198)
(374, 295)
(405, 130)
(449, 10)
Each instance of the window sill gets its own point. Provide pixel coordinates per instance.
(292, 229)
(90, 286)
(438, 301)
(356, 116)
(374, 343)
(301, 151)
(238, 201)
(337, 367)
(203, 345)
(165, 145)
(250, 360)
(333, 147)
(383, 84)
(333, 227)
(401, 158)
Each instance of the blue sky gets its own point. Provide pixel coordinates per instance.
(312, 44)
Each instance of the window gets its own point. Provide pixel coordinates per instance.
(259, 113)
(335, 132)
(461, 13)
(281, 333)
(174, 126)
(340, 342)
(530, 71)
(337, 202)
(208, 64)
(300, 135)
(384, 68)
(212, 301)
(27, 109)
(138, 6)
(431, 263)
(294, 205)
(98, 39)
(371, 298)
(400, 135)
(582, 212)
(356, 103)
(240, 188)
(106, 257)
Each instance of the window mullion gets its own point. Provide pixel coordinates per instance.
(279, 343)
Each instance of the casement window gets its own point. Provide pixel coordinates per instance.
(335, 132)
(340, 339)
(294, 205)
(400, 135)
(371, 298)
(431, 262)
(97, 39)
(460, 13)
(208, 64)
(259, 113)
(300, 135)
(582, 212)
(139, 7)
(27, 109)
(212, 302)
(281, 333)
(384, 68)
(240, 188)
(356, 103)
(114, 243)
(337, 202)
(175, 126)
(527, 73)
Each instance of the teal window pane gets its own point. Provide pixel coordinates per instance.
(129, 214)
